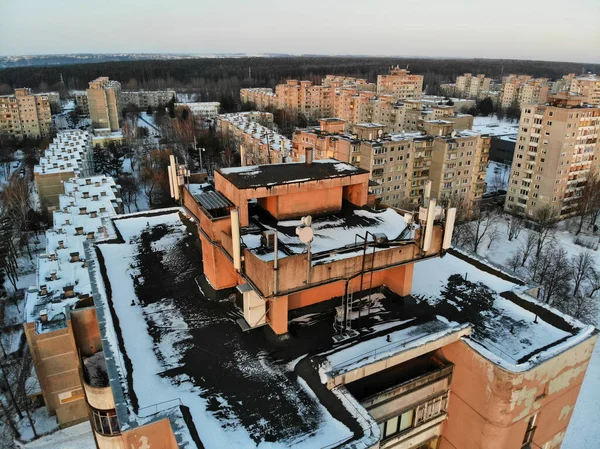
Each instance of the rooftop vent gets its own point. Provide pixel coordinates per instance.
(308, 155)
(268, 239)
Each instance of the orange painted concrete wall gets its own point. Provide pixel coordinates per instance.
(288, 206)
(497, 403)
(217, 267)
(86, 331)
(240, 197)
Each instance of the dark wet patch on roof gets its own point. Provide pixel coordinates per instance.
(276, 174)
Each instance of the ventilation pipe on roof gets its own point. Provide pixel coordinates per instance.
(308, 155)
(429, 225)
(235, 239)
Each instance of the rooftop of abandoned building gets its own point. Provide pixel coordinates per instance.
(337, 235)
(171, 340)
(255, 176)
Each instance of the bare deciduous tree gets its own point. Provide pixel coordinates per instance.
(483, 224)
(515, 227)
(582, 265)
(526, 247)
(545, 225)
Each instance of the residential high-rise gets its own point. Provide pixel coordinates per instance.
(588, 86)
(522, 90)
(305, 97)
(400, 164)
(249, 134)
(336, 95)
(104, 103)
(25, 114)
(472, 86)
(555, 152)
(144, 98)
(400, 84)
(81, 101)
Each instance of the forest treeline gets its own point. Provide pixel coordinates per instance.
(213, 79)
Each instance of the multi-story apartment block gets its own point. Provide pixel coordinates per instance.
(459, 161)
(312, 100)
(523, 89)
(471, 86)
(206, 110)
(400, 164)
(60, 304)
(25, 114)
(104, 103)
(81, 101)
(555, 152)
(262, 97)
(144, 98)
(343, 330)
(400, 84)
(588, 86)
(69, 155)
(253, 139)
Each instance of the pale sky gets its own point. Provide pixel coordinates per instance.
(556, 30)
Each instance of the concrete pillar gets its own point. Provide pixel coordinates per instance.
(278, 315)
(399, 279)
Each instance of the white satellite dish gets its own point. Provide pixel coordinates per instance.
(306, 221)
(305, 234)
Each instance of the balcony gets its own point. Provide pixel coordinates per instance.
(408, 401)
(95, 382)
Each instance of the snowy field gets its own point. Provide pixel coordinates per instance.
(79, 436)
(495, 126)
(584, 429)
(496, 176)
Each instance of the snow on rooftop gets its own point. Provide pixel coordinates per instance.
(494, 126)
(62, 277)
(253, 176)
(238, 397)
(332, 232)
(385, 346)
(503, 330)
(69, 152)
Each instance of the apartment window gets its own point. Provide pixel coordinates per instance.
(528, 439)
(397, 424)
(105, 422)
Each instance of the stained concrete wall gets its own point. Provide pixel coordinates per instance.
(86, 331)
(498, 403)
(57, 365)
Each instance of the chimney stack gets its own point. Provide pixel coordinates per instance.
(309, 155)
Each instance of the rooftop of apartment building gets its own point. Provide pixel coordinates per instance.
(255, 176)
(335, 234)
(62, 279)
(103, 82)
(66, 153)
(588, 77)
(170, 340)
(246, 123)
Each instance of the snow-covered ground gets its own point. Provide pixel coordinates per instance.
(75, 437)
(584, 429)
(496, 176)
(495, 126)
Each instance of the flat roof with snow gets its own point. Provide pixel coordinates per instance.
(335, 234)
(255, 176)
(170, 339)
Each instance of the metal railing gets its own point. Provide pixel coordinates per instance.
(153, 409)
